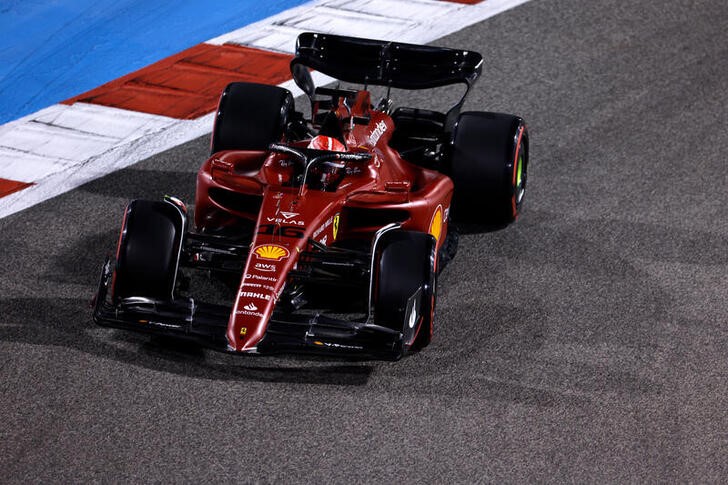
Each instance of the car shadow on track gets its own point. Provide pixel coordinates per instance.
(66, 322)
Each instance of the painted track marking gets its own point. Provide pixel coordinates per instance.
(144, 113)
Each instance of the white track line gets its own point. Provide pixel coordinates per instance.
(62, 147)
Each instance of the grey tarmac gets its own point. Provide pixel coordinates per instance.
(585, 343)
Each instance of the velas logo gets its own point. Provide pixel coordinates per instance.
(272, 252)
(281, 220)
(289, 215)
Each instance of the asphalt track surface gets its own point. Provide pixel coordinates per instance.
(585, 343)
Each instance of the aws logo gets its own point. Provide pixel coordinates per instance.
(272, 252)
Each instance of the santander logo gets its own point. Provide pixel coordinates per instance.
(377, 132)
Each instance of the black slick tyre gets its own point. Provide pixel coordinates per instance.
(404, 290)
(489, 166)
(149, 250)
(250, 116)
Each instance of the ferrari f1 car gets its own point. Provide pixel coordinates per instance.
(328, 231)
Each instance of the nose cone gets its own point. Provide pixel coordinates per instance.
(263, 280)
(286, 223)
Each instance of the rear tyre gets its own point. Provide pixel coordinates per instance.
(405, 287)
(251, 116)
(149, 250)
(489, 166)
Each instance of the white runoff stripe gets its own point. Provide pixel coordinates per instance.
(62, 147)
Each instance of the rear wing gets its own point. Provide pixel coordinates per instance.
(384, 63)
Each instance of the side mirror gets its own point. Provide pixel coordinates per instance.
(303, 79)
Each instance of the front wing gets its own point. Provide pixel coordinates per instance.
(206, 324)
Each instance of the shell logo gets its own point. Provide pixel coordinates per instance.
(271, 252)
(436, 223)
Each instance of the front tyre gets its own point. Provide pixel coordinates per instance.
(489, 166)
(404, 293)
(149, 250)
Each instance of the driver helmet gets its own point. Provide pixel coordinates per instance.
(322, 142)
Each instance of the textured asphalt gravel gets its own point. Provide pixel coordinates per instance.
(588, 342)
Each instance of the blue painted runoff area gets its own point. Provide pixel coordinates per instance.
(51, 50)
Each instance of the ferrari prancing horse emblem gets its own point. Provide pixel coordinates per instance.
(336, 226)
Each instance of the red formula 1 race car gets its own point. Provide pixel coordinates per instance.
(322, 234)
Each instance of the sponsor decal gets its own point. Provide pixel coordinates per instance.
(272, 252)
(250, 310)
(323, 227)
(324, 239)
(281, 220)
(160, 324)
(265, 266)
(353, 170)
(248, 313)
(337, 346)
(243, 331)
(436, 223)
(260, 278)
(412, 318)
(377, 132)
(253, 294)
(270, 288)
